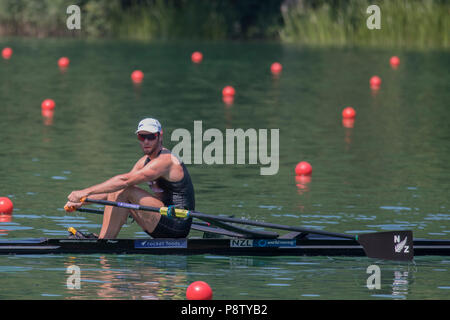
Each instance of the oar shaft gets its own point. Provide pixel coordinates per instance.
(200, 215)
(121, 204)
(181, 213)
(96, 211)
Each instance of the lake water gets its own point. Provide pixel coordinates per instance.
(388, 170)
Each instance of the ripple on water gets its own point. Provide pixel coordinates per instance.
(438, 217)
(59, 178)
(395, 208)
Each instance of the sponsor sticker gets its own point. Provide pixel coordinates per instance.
(263, 243)
(161, 243)
(128, 205)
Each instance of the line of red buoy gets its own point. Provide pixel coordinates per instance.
(137, 76)
(276, 68)
(197, 57)
(7, 53)
(302, 169)
(6, 206)
(199, 290)
(63, 63)
(395, 62)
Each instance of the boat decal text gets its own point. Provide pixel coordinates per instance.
(260, 243)
(161, 243)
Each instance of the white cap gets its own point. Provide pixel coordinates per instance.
(150, 125)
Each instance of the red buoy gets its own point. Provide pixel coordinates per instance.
(375, 82)
(276, 68)
(6, 206)
(137, 76)
(303, 168)
(199, 290)
(394, 61)
(48, 104)
(348, 113)
(197, 57)
(63, 62)
(228, 91)
(7, 53)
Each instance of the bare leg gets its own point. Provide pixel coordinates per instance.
(114, 217)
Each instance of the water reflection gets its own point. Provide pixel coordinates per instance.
(398, 283)
(137, 88)
(112, 277)
(348, 123)
(141, 277)
(228, 114)
(302, 183)
(5, 219)
(47, 116)
(374, 90)
(228, 101)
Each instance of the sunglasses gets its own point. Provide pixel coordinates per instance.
(150, 137)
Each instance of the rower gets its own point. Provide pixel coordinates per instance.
(167, 177)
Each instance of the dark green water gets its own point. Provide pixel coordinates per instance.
(390, 171)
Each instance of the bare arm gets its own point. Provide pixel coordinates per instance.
(151, 172)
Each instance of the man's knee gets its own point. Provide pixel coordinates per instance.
(122, 195)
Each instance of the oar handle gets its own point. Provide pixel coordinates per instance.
(69, 209)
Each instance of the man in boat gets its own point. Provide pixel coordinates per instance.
(167, 177)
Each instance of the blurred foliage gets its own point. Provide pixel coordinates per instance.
(148, 19)
(36, 18)
(213, 19)
(419, 23)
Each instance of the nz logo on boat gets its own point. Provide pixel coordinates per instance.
(401, 245)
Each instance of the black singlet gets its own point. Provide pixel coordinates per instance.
(180, 194)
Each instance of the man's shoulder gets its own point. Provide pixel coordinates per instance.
(167, 156)
(142, 159)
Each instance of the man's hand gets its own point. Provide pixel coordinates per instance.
(76, 196)
(75, 200)
(72, 206)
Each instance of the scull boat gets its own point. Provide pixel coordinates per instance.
(311, 245)
(226, 236)
(231, 243)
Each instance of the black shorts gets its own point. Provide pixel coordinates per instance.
(172, 228)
